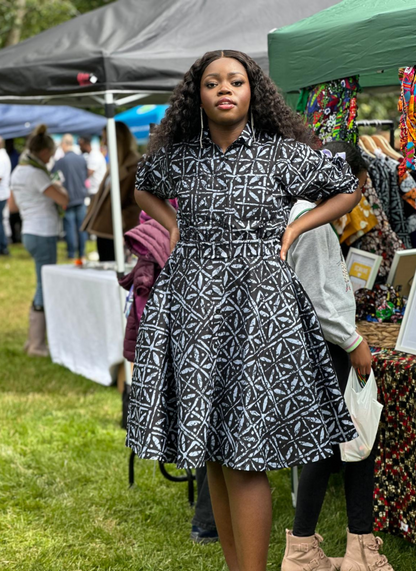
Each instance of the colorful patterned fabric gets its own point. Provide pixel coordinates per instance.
(395, 475)
(406, 106)
(358, 222)
(383, 173)
(231, 364)
(381, 240)
(330, 109)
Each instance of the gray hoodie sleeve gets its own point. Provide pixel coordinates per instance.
(314, 263)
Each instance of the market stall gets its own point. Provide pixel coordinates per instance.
(130, 51)
(361, 44)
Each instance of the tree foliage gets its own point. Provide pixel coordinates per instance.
(21, 19)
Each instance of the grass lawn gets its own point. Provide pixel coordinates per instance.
(65, 504)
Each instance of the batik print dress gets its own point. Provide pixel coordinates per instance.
(231, 365)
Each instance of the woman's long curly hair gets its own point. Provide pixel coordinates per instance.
(270, 112)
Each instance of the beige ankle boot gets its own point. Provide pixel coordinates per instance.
(36, 344)
(305, 554)
(362, 554)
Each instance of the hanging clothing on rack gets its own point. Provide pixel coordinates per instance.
(381, 240)
(408, 190)
(395, 208)
(384, 175)
(407, 108)
(330, 109)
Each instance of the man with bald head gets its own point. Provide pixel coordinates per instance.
(5, 171)
(72, 169)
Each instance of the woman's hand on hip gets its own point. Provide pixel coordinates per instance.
(290, 235)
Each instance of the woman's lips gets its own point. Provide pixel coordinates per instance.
(225, 104)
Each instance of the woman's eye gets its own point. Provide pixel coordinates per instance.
(210, 85)
(238, 83)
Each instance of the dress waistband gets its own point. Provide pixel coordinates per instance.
(236, 248)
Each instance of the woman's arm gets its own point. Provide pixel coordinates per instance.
(329, 210)
(162, 211)
(58, 194)
(13, 208)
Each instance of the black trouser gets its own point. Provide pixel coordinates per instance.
(358, 477)
(204, 516)
(105, 248)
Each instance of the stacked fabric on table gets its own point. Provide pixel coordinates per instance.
(395, 477)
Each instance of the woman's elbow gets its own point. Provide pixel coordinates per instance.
(139, 195)
(356, 196)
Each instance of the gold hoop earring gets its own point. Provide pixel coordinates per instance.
(252, 125)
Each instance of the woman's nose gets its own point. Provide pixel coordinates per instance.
(223, 89)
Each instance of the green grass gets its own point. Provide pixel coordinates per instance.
(65, 504)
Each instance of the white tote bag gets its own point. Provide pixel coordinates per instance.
(365, 412)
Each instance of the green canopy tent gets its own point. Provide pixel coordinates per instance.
(372, 38)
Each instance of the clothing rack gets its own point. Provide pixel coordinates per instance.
(379, 123)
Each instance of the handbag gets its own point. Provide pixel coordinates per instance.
(365, 412)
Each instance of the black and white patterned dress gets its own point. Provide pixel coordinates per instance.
(231, 364)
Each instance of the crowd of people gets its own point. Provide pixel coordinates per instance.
(242, 322)
(52, 192)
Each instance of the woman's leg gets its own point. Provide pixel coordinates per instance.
(45, 254)
(313, 483)
(359, 491)
(222, 514)
(70, 230)
(80, 213)
(250, 504)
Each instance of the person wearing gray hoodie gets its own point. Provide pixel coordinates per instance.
(317, 260)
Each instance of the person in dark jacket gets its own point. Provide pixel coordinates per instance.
(98, 220)
(72, 169)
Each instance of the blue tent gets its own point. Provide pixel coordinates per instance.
(20, 120)
(139, 118)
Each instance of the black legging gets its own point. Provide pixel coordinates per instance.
(358, 477)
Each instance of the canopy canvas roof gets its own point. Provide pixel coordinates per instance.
(372, 38)
(138, 120)
(138, 46)
(20, 120)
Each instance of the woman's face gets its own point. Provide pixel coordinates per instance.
(225, 92)
(45, 155)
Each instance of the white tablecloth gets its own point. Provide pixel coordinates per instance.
(85, 331)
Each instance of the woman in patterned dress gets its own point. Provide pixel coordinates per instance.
(231, 366)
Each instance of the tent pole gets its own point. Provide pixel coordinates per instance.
(116, 209)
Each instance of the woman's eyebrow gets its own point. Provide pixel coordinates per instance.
(228, 75)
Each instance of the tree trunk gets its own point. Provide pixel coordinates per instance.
(13, 37)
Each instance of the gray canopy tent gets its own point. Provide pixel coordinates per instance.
(134, 50)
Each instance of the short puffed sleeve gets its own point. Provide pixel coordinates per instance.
(312, 174)
(153, 175)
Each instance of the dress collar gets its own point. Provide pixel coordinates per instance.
(246, 137)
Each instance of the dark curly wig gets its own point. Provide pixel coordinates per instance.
(270, 112)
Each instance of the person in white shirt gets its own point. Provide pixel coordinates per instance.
(5, 171)
(37, 198)
(96, 164)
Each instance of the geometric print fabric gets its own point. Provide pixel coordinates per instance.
(231, 365)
